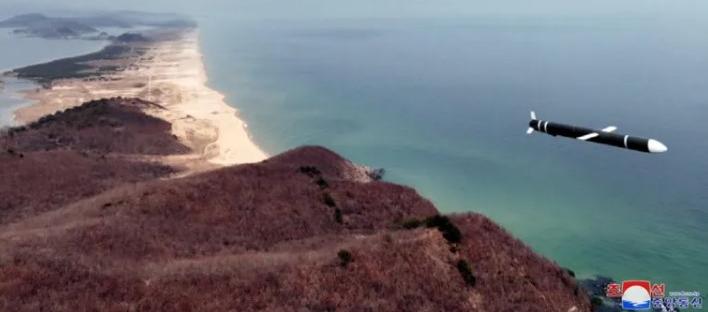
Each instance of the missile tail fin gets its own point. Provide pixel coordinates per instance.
(529, 130)
(533, 115)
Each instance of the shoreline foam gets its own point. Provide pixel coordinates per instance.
(171, 73)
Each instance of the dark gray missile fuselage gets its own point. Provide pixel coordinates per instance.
(598, 136)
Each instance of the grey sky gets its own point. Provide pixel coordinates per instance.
(376, 8)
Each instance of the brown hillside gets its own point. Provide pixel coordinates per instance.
(79, 153)
(302, 231)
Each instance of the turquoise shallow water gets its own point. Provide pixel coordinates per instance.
(443, 106)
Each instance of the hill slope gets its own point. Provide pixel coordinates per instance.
(303, 231)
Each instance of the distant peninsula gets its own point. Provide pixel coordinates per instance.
(88, 27)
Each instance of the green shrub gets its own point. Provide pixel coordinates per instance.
(466, 272)
(450, 232)
(328, 200)
(345, 257)
(310, 171)
(322, 183)
(338, 215)
(411, 224)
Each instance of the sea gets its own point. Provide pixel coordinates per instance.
(17, 51)
(443, 105)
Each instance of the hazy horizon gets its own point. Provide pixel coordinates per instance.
(319, 9)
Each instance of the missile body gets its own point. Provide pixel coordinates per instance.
(604, 136)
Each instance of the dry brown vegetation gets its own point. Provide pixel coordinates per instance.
(246, 238)
(79, 153)
(506, 268)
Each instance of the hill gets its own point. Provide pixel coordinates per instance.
(78, 153)
(95, 223)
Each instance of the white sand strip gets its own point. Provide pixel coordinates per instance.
(172, 74)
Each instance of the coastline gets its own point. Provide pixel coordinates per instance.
(171, 73)
(33, 51)
(12, 99)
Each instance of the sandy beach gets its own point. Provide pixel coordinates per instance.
(170, 73)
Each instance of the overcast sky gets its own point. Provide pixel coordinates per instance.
(377, 8)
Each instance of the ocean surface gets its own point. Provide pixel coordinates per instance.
(11, 99)
(443, 104)
(18, 51)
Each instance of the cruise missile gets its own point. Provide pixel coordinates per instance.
(603, 136)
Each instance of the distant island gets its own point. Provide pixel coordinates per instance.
(87, 27)
(132, 185)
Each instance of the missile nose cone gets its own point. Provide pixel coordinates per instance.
(655, 146)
